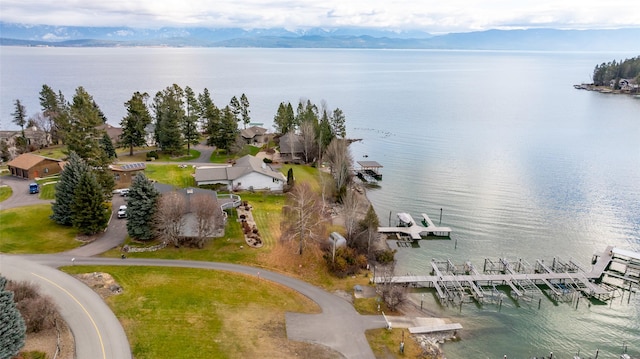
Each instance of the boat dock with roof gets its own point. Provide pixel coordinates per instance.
(369, 171)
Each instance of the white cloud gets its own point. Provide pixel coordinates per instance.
(428, 15)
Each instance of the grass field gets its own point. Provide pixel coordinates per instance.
(29, 230)
(171, 174)
(5, 192)
(386, 343)
(195, 313)
(57, 152)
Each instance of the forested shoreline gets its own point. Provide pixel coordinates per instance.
(614, 72)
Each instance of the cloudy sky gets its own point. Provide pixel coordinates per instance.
(437, 16)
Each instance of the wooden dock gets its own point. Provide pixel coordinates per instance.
(561, 279)
(410, 228)
(369, 171)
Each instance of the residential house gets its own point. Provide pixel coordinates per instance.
(247, 173)
(31, 166)
(189, 229)
(291, 147)
(114, 133)
(34, 137)
(123, 174)
(254, 135)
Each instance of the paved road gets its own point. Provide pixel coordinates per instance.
(99, 334)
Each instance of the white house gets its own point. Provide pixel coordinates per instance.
(247, 173)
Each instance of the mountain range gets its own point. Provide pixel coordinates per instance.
(530, 39)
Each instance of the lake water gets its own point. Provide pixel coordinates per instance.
(522, 165)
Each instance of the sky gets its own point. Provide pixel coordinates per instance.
(434, 16)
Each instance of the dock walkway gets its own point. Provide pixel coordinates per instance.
(416, 231)
(448, 285)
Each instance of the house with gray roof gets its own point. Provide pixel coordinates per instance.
(291, 147)
(247, 173)
(254, 135)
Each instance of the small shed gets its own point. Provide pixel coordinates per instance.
(31, 166)
(337, 239)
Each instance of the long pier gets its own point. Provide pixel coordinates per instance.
(562, 279)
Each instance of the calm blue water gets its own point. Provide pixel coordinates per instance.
(523, 165)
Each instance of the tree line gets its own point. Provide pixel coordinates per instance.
(604, 73)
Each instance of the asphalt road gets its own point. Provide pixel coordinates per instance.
(99, 334)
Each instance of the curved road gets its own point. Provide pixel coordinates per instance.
(99, 334)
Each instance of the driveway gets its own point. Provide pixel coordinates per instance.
(20, 196)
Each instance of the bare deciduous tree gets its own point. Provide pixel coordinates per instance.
(208, 217)
(304, 220)
(170, 217)
(309, 143)
(350, 214)
(392, 293)
(341, 163)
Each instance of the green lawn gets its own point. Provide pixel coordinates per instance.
(48, 191)
(196, 313)
(29, 230)
(171, 174)
(5, 192)
(53, 152)
(221, 156)
(308, 174)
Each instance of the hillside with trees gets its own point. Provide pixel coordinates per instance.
(615, 71)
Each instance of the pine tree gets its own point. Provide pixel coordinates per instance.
(190, 122)
(169, 114)
(90, 214)
(135, 122)
(20, 119)
(65, 190)
(12, 327)
(244, 110)
(82, 136)
(107, 146)
(143, 198)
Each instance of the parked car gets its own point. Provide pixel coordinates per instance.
(124, 192)
(34, 188)
(122, 211)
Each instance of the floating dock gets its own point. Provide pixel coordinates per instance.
(409, 227)
(560, 280)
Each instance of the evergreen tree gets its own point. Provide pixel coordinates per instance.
(211, 116)
(20, 119)
(169, 115)
(236, 108)
(190, 121)
(12, 327)
(54, 109)
(338, 123)
(66, 188)
(224, 134)
(107, 146)
(82, 136)
(207, 108)
(134, 123)
(143, 201)
(90, 214)
(284, 120)
(244, 110)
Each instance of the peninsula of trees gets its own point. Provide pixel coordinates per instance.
(618, 74)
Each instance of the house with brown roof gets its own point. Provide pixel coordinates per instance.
(114, 133)
(123, 174)
(30, 166)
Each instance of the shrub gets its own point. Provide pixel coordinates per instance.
(385, 256)
(267, 160)
(153, 154)
(347, 262)
(38, 311)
